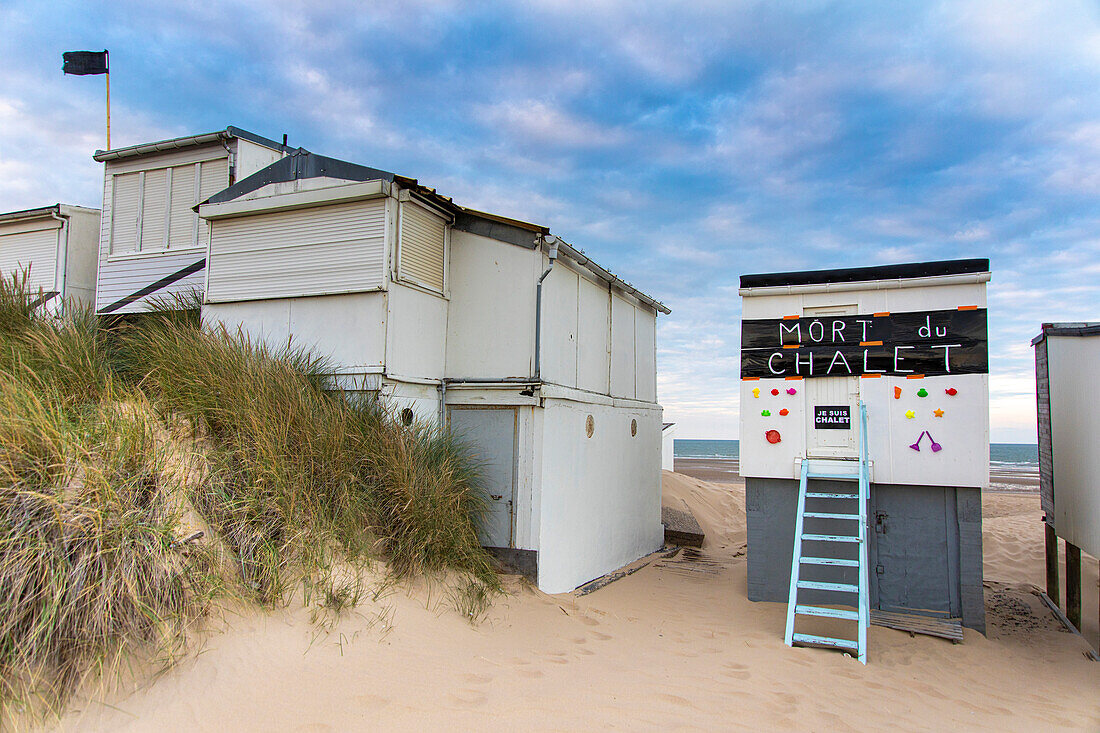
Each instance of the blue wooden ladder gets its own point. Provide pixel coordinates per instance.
(830, 499)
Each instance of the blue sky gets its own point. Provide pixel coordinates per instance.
(679, 145)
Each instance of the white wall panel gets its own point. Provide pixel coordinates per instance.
(622, 348)
(491, 322)
(645, 349)
(315, 251)
(599, 497)
(559, 326)
(417, 333)
(593, 336)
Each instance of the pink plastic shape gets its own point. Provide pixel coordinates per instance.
(792, 390)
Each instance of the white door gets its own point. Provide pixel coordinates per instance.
(491, 433)
(828, 434)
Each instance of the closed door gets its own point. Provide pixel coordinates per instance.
(832, 403)
(492, 434)
(914, 550)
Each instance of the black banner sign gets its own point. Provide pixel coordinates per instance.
(832, 417)
(920, 342)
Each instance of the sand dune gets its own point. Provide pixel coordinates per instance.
(674, 646)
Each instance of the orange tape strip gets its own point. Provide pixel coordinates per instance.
(750, 379)
(791, 378)
(884, 313)
(870, 343)
(791, 346)
(791, 318)
(968, 307)
(914, 376)
(870, 376)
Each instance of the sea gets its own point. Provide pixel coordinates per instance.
(1020, 456)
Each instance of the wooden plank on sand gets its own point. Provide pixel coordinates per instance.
(681, 528)
(946, 628)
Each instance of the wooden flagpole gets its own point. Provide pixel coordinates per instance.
(108, 75)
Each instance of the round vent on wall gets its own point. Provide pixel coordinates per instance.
(407, 417)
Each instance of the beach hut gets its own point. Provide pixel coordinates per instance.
(905, 345)
(1068, 416)
(668, 446)
(56, 246)
(152, 245)
(542, 359)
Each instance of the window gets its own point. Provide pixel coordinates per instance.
(151, 210)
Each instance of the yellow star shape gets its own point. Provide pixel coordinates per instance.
(937, 413)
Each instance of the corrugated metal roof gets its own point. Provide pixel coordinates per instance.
(187, 141)
(1079, 328)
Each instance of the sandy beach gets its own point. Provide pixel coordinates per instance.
(675, 645)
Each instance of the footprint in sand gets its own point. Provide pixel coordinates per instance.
(600, 637)
(586, 652)
(737, 671)
(468, 698)
(533, 674)
(674, 699)
(588, 621)
(480, 679)
(579, 640)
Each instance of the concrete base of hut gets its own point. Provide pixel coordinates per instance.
(925, 548)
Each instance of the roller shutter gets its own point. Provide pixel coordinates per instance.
(34, 249)
(154, 210)
(421, 246)
(213, 177)
(316, 251)
(181, 219)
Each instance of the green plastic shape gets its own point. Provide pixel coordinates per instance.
(922, 392)
(766, 413)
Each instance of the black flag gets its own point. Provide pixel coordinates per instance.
(83, 63)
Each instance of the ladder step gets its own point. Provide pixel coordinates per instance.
(829, 538)
(828, 612)
(820, 495)
(825, 641)
(817, 585)
(837, 476)
(830, 515)
(830, 561)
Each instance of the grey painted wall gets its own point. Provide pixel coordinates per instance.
(925, 553)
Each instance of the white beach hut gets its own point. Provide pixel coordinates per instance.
(906, 343)
(1068, 413)
(56, 245)
(152, 245)
(537, 355)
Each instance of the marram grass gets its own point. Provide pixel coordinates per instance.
(116, 442)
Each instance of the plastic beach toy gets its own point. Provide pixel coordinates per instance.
(775, 392)
(791, 390)
(951, 391)
(765, 413)
(755, 391)
(922, 392)
(784, 412)
(772, 436)
(897, 393)
(910, 414)
(937, 412)
(936, 447)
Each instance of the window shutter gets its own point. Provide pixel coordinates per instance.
(154, 210)
(125, 200)
(421, 246)
(181, 219)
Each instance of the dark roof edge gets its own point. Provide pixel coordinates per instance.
(31, 213)
(1082, 328)
(187, 141)
(299, 164)
(864, 274)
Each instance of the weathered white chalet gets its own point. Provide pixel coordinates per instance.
(56, 247)
(540, 357)
(151, 243)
